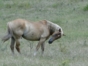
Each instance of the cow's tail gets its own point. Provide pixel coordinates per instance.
(8, 36)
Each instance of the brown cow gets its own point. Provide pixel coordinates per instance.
(34, 31)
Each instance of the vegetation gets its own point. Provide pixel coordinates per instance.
(71, 15)
(86, 8)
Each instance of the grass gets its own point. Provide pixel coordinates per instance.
(86, 8)
(71, 50)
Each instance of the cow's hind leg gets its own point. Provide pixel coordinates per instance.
(18, 46)
(12, 44)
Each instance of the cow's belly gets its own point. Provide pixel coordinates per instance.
(33, 36)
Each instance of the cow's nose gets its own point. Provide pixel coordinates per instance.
(49, 42)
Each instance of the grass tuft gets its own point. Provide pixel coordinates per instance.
(55, 5)
(65, 63)
(85, 8)
(13, 4)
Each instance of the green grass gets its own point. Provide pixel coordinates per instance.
(71, 15)
(86, 8)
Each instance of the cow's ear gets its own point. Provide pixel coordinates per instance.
(59, 30)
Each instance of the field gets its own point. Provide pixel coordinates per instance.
(70, 50)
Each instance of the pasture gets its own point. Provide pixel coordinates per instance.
(70, 50)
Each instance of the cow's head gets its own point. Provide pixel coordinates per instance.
(56, 35)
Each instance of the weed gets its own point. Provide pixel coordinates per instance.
(65, 63)
(85, 8)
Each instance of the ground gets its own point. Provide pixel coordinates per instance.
(70, 50)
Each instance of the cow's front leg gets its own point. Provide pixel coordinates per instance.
(42, 48)
(41, 42)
